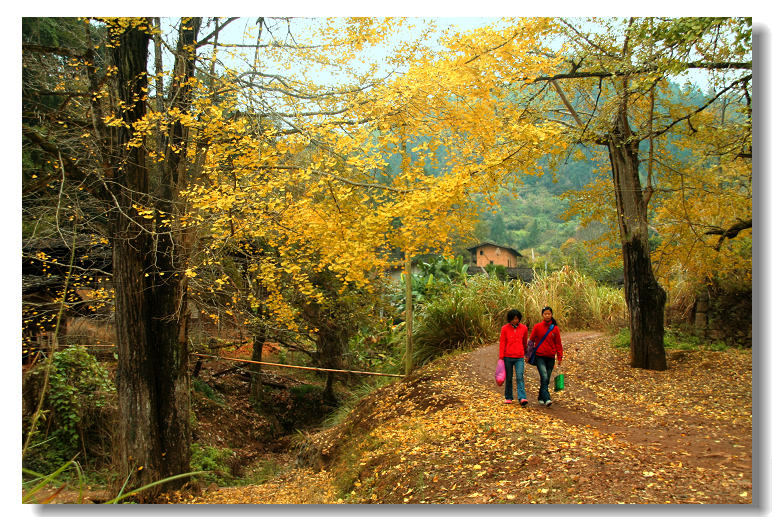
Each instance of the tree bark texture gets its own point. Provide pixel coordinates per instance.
(644, 296)
(152, 381)
(330, 349)
(256, 380)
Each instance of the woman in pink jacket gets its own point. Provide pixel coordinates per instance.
(545, 354)
(514, 336)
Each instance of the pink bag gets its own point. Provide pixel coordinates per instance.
(500, 374)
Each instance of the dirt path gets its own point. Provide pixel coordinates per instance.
(707, 428)
(615, 435)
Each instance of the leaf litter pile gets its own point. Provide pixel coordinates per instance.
(614, 435)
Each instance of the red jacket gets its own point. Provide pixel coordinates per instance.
(512, 340)
(552, 345)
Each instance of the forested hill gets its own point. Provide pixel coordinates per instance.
(534, 218)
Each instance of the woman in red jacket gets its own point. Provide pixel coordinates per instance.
(545, 355)
(512, 350)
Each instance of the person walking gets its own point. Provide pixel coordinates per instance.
(546, 353)
(512, 350)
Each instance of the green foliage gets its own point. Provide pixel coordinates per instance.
(213, 460)
(622, 338)
(209, 392)
(336, 320)
(55, 32)
(685, 32)
(496, 271)
(534, 219)
(78, 385)
(578, 301)
(79, 407)
(304, 390)
(496, 296)
(498, 230)
(45, 455)
(297, 407)
(444, 270)
(576, 254)
(378, 347)
(435, 275)
(674, 340)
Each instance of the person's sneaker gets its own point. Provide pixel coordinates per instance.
(548, 403)
(541, 402)
(507, 401)
(523, 402)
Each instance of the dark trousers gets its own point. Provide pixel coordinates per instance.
(545, 365)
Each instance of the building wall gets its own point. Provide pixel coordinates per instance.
(487, 253)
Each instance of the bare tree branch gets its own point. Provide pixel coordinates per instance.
(731, 232)
(215, 32)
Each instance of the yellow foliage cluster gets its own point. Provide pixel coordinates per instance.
(313, 182)
(279, 159)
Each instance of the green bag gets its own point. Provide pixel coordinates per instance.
(559, 382)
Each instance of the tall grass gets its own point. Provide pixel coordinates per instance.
(577, 301)
(449, 322)
(681, 297)
(469, 315)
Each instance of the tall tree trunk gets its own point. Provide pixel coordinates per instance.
(408, 315)
(645, 297)
(328, 395)
(329, 347)
(255, 381)
(152, 380)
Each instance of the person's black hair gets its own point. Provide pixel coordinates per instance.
(548, 308)
(512, 314)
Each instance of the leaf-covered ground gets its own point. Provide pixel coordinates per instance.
(614, 435)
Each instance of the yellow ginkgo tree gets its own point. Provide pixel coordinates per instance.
(314, 183)
(608, 92)
(239, 150)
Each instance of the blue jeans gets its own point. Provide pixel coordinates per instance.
(517, 362)
(545, 366)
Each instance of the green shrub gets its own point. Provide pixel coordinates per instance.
(297, 407)
(304, 390)
(622, 339)
(215, 461)
(680, 341)
(378, 347)
(209, 392)
(673, 340)
(79, 410)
